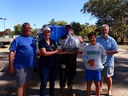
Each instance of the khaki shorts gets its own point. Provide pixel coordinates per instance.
(108, 71)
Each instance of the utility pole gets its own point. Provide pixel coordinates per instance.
(3, 21)
(35, 26)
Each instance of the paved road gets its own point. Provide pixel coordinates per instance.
(120, 80)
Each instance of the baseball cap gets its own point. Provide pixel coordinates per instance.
(46, 28)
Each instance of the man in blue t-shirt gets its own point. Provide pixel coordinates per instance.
(22, 58)
(111, 48)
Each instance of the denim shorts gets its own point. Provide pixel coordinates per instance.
(93, 75)
(108, 71)
(22, 75)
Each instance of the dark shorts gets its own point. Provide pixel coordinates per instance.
(22, 75)
(93, 75)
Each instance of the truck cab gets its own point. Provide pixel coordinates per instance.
(5, 39)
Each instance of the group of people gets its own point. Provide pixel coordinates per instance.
(22, 60)
(99, 60)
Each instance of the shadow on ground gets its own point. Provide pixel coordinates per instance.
(121, 72)
(10, 91)
(120, 79)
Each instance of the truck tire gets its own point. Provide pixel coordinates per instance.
(1, 45)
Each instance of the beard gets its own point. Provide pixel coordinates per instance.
(104, 35)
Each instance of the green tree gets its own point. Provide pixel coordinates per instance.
(18, 29)
(53, 22)
(87, 29)
(61, 23)
(34, 32)
(9, 32)
(112, 12)
(76, 27)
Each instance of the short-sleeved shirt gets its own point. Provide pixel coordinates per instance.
(109, 44)
(48, 61)
(25, 48)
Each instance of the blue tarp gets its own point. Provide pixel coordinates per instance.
(57, 32)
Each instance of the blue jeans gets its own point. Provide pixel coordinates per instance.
(47, 73)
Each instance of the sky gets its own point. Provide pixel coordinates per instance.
(40, 12)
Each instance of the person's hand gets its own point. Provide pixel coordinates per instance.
(73, 34)
(91, 62)
(60, 51)
(10, 69)
(70, 52)
(63, 52)
(80, 39)
(71, 31)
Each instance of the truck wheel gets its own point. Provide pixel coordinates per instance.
(1, 45)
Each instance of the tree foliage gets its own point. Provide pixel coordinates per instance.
(18, 29)
(87, 29)
(34, 32)
(112, 12)
(9, 32)
(76, 27)
(79, 29)
(53, 22)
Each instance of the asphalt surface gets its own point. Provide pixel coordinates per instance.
(120, 79)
